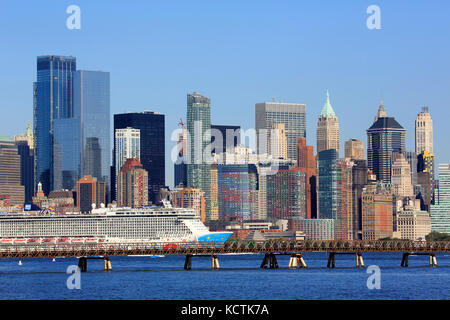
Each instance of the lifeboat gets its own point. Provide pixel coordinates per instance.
(6, 241)
(32, 240)
(63, 239)
(48, 239)
(20, 241)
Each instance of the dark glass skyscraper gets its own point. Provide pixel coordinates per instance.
(229, 137)
(152, 146)
(328, 184)
(384, 137)
(53, 99)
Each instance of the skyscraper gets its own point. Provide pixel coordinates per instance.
(424, 132)
(278, 141)
(132, 184)
(327, 128)
(91, 101)
(425, 163)
(237, 186)
(359, 181)
(306, 162)
(293, 116)
(384, 137)
(224, 137)
(127, 144)
(86, 193)
(328, 190)
(286, 196)
(10, 178)
(377, 211)
(190, 198)
(52, 99)
(401, 177)
(354, 149)
(25, 148)
(440, 211)
(180, 165)
(199, 149)
(152, 143)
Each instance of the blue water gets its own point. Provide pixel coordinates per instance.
(239, 278)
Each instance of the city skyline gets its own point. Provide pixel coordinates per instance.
(403, 63)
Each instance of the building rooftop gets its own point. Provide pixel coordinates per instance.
(386, 123)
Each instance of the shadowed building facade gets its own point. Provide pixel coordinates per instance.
(306, 162)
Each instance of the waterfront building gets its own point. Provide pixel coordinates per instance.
(199, 148)
(152, 145)
(440, 211)
(132, 184)
(25, 149)
(378, 211)
(277, 144)
(286, 194)
(292, 115)
(401, 177)
(314, 229)
(306, 162)
(411, 222)
(224, 138)
(10, 174)
(52, 100)
(327, 128)
(384, 137)
(190, 198)
(424, 132)
(237, 192)
(354, 149)
(91, 102)
(328, 184)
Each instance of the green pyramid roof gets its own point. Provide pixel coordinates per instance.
(327, 110)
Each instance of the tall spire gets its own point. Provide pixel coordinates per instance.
(381, 112)
(327, 110)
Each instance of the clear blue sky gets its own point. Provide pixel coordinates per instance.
(240, 53)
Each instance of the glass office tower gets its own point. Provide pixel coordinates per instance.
(328, 184)
(199, 148)
(52, 95)
(152, 146)
(92, 107)
(66, 153)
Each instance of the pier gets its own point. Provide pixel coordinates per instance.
(211, 250)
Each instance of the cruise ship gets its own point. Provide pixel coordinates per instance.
(108, 225)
